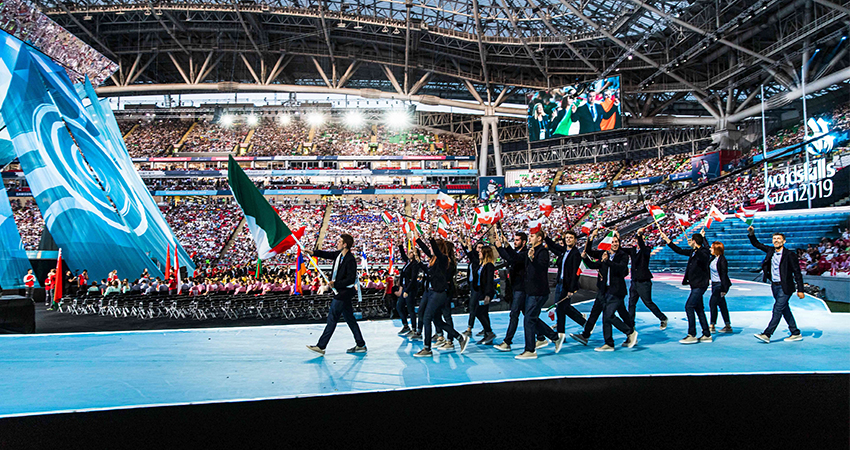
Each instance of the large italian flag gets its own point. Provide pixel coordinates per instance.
(271, 235)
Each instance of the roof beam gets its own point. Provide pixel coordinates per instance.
(640, 55)
(325, 31)
(563, 38)
(321, 72)
(512, 20)
(472, 91)
(418, 85)
(697, 30)
(393, 80)
(482, 52)
(168, 30)
(833, 6)
(247, 31)
(87, 31)
(179, 69)
(349, 72)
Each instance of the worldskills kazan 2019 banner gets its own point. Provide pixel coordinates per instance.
(576, 109)
(96, 218)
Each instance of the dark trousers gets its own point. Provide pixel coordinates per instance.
(341, 307)
(695, 306)
(614, 305)
(474, 297)
(407, 308)
(434, 312)
(48, 298)
(516, 307)
(423, 305)
(781, 309)
(642, 290)
(28, 292)
(716, 301)
(532, 325)
(595, 311)
(446, 311)
(564, 309)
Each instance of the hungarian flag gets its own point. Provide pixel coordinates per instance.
(587, 227)
(683, 220)
(606, 243)
(445, 201)
(533, 226)
(421, 214)
(746, 215)
(657, 213)
(487, 215)
(467, 224)
(714, 215)
(581, 268)
(442, 227)
(446, 219)
(388, 218)
(270, 234)
(545, 206)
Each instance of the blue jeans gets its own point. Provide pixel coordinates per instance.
(715, 302)
(564, 309)
(642, 290)
(532, 325)
(423, 305)
(516, 307)
(612, 306)
(434, 312)
(781, 309)
(407, 308)
(695, 305)
(346, 310)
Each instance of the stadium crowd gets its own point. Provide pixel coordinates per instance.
(155, 138)
(209, 136)
(30, 223)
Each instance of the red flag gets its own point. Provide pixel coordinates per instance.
(168, 261)
(533, 226)
(177, 268)
(57, 280)
(545, 206)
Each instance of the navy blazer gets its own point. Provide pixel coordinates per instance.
(486, 284)
(615, 268)
(723, 271)
(697, 274)
(346, 273)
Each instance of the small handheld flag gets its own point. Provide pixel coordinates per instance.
(545, 205)
(746, 215)
(388, 218)
(606, 243)
(714, 215)
(533, 226)
(445, 201)
(587, 227)
(657, 213)
(683, 220)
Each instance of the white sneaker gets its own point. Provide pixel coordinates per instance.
(559, 342)
(705, 339)
(541, 344)
(632, 340)
(604, 348)
(503, 347)
(763, 338)
(689, 340)
(794, 338)
(526, 355)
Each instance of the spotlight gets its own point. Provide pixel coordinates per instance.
(252, 120)
(354, 119)
(398, 119)
(315, 119)
(285, 119)
(227, 120)
(630, 57)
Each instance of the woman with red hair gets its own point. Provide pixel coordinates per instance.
(720, 284)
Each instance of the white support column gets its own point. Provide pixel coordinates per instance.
(482, 154)
(497, 152)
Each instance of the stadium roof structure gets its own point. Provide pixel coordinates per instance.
(703, 58)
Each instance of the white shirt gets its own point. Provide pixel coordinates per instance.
(775, 277)
(715, 274)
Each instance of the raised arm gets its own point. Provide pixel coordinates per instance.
(423, 247)
(403, 253)
(553, 247)
(679, 250)
(751, 234)
(323, 254)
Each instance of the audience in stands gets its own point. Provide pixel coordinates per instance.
(154, 138)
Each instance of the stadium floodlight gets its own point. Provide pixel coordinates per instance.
(315, 119)
(398, 119)
(252, 120)
(285, 119)
(354, 119)
(227, 120)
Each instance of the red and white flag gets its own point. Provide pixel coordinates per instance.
(533, 226)
(545, 205)
(445, 201)
(683, 220)
(714, 215)
(445, 218)
(442, 227)
(421, 214)
(587, 227)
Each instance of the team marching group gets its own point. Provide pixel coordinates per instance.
(528, 267)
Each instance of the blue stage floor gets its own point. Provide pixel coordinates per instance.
(94, 371)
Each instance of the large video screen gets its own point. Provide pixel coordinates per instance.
(573, 110)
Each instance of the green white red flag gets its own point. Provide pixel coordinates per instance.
(606, 243)
(270, 234)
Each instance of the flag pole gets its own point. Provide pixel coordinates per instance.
(313, 263)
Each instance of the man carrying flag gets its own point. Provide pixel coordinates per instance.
(641, 283)
(344, 281)
(567, 284)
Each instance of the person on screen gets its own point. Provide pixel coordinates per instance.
(568, 125)
(538, 124)
(611, 112)
(585, 115)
